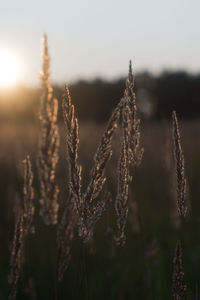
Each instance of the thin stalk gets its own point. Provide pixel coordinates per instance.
(85, 273)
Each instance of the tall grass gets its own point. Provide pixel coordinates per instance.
(23, 226)
(49, 141)
(88, 197)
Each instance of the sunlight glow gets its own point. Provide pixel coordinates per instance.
(10, 69)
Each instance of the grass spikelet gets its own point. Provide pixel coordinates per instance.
(101, 158)
(92, 211)
(66, 227)
(135, 151)
(48, 145)
(121, 206)
(72, 148)
(64, 237)
(178, 286)
(72, 139)
(130, 154)
(23, 226)
(89, 211)
(171, 176)
(180, 168)
(16, 256)
(73, 203)
(28, 208)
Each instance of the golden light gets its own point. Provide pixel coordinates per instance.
(10, 69)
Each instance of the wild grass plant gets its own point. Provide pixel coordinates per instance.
(92, 251)
(49, 141)
(23, 226)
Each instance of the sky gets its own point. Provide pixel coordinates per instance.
(89, 38)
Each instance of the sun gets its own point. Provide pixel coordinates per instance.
(10, 69)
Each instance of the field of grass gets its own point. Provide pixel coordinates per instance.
(111, 231)
(142, 269)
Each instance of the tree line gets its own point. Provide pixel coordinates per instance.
(94, 100)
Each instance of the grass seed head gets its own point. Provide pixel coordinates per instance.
(180, 168)
(49, 142)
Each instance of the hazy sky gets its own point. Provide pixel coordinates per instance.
(89, 38)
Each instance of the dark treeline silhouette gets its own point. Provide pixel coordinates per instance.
(157, 96)
(178, 91)
(94, 100)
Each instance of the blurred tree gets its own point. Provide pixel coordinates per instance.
(94, 100)
(178, 91)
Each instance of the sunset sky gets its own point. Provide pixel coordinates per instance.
(89, 38)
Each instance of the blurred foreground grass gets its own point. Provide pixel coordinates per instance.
(99, 270)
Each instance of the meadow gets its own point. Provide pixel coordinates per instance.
(111, 272)
(99, 269)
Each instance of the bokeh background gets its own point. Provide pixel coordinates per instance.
(90, 45)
